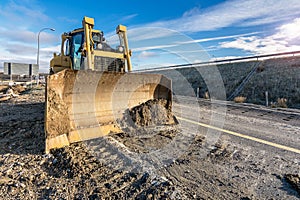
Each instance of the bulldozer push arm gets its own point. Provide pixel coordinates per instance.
(88, 24)
(89, 100)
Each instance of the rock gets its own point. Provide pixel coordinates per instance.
(54, 161)
(5, 180)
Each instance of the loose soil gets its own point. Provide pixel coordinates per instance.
(136, 164)
(153, 112)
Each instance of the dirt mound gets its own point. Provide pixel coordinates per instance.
(17, 89)
(8, 92)
(153, 112)
(148, 127)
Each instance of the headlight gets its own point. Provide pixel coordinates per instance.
(121, 49)
(99, 46)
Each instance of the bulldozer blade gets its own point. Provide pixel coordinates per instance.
(82, 105)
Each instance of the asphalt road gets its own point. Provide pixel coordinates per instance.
(257, 126)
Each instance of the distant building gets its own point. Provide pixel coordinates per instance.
(20, 69)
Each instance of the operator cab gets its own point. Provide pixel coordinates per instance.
(74, 45)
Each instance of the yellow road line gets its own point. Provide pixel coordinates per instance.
(243, 136)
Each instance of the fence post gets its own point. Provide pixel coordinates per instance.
(267, 98)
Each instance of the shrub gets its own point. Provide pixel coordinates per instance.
(281, 102)
(206, 95)
(239, 99)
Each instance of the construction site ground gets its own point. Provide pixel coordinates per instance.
(184, 161)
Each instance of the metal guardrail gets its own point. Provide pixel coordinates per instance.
(243, 83)
(224, 61)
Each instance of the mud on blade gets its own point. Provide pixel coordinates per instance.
(82, 105)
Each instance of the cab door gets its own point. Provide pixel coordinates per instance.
(76, 54)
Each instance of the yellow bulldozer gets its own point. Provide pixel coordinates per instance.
(91, 86)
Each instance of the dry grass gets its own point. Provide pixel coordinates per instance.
(206, 95)
(281, 102)
(239, 99)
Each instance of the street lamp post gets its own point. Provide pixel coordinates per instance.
(38, 49)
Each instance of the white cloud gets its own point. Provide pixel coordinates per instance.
(147, 54)
(21, 46)
(289, 32)
(26, 36)
(192, 12)
(217, 38)
(128, 17)
(20, 49)
(234, 13)
(224, 58)
(26, 53)
(145, 48)
(22, 13)
(51, 48)
(285, 39)
(18, 40)
(147, 33)
(167, 44)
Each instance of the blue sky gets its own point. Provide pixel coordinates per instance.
(160, 32)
